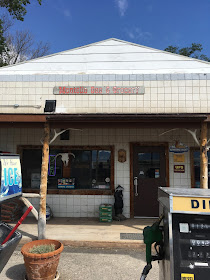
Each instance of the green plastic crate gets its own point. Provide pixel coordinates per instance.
(105, 215)
(105, 220)
(105, 208)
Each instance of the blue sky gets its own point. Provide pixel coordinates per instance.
(67, 24)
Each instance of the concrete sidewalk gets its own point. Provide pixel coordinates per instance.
(89, 232)
(89, 264)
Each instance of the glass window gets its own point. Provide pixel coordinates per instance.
(196, 166)
(149, 165)
(85, 169)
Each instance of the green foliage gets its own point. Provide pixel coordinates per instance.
(192, 51)
(42, 249)
(14, 48)
(16, 8)
(204, 57)
(172, 49)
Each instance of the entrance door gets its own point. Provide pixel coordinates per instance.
(149, 173)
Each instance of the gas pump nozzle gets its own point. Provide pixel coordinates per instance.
(152, 234)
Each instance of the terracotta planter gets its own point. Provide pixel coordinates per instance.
(41, 266)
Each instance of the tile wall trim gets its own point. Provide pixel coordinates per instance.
(105, 77)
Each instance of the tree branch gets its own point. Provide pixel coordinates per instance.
(193, 133)
(56, 134)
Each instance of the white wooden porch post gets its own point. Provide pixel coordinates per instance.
(43, 183)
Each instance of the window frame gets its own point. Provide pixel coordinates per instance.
(192, 150)
(20, 149)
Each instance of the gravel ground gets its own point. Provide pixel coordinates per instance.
(89, 264)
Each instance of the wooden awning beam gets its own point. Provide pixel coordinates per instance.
(126, 117)
(82, 121)
(41, 118)
(22, 118)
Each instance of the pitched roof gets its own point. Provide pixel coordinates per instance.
(111, 56)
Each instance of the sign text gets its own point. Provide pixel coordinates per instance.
(98, 90)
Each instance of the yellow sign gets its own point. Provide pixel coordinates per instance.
(191, 204)
(179, 158)
(185, 276)
(179, 168)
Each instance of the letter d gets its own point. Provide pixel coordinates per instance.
(194, 204)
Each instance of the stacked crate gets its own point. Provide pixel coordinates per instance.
(11, 211)
(105, 212)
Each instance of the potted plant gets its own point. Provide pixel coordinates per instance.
(41, 259)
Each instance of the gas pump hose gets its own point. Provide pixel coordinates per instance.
(152, 234)
(145, 271)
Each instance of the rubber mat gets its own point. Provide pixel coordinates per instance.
(131, 236)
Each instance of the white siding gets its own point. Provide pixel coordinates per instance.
(111, 56)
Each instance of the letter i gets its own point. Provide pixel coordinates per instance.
(5, 177)
(204, 204)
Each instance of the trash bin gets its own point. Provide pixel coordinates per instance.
(49, 213)
(8, 248)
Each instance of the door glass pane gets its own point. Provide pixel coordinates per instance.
(149, 165)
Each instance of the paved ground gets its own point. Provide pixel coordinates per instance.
(89, 264)
(87, 232)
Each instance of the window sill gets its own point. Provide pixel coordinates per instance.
(72, 192)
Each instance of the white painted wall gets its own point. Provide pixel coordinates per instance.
(88, 205)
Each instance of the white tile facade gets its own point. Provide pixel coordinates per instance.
(88, 205)
(178, 96)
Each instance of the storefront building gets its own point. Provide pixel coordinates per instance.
(130, 112)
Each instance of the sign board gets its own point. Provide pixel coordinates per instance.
(104, 90)
(11, 177)
(174, 149)
(179, 158)
(187, 276)
(179, 168)
(52, 165)
(65, 183)
(191, 204)
(178, 147)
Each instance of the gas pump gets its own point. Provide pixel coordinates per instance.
(186, 234)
